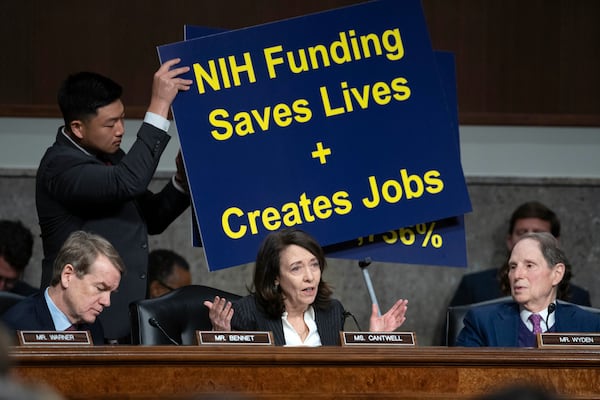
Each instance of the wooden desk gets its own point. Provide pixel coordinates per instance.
(137, 372)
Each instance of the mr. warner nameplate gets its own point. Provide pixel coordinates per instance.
(336, 123)
(54, 338)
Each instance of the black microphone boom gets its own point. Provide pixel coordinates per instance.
(349, 314)
(154, 322)
(551, 309)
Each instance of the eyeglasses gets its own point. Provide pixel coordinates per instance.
(165, 285)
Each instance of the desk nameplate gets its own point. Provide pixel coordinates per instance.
(405, 339)
(54, 338)
(568, 340)
(237, 338)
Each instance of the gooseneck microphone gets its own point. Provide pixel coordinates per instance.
(363, 264)
(153, 321)
(349, 314)
(551, 309)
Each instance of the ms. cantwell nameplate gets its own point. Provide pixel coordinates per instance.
(378, 338)
(235, 338)
(568, 340)
(54, 338)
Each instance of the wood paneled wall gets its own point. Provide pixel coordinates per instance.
(518, 62)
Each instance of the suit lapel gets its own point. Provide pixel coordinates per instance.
(42, 313)
(506, 326)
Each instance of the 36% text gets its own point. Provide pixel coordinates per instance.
(408, 236)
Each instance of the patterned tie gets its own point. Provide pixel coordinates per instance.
(535, 320)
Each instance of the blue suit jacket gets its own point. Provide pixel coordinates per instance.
(32, 314)
(250, 316)
(483, 285)
(497, 325)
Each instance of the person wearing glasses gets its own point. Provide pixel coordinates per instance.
(16, 244)
(167, 271)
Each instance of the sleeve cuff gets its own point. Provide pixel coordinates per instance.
(157, 121)
(178, 186)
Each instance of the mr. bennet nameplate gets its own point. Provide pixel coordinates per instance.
(235, 338)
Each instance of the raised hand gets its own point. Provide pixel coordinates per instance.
(391, 320)
(220, 313)
(166, 85)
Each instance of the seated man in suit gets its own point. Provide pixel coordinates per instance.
(87, 271)
(485, 285)
(537, 272)
(16, 246)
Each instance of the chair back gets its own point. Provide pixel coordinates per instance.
(8, 299)
(179, 313)
(456, 314)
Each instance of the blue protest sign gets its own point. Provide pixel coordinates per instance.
(335, 123)
(431, 243)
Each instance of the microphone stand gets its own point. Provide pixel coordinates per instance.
(363, 264)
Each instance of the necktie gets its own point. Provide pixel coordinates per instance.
(73, 327)
(535, 320)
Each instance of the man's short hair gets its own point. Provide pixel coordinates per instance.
(16, 244)
(161, 263)
(535, 209)
(81, 94)
(81, 249)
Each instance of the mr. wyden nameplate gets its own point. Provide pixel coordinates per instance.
(252, 338)
(378, 338)
(54, 338)
(568, 340)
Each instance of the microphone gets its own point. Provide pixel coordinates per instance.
(152, 321)
(551, 309)
(363, 264)
(349, 314)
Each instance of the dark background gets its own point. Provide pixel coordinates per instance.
(534, 62)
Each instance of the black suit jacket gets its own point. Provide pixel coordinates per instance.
(250, 316)
(33, 314)
(76, 191)
(484, 285)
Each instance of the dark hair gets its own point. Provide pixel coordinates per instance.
(16, 244)
(81, 94)
(161, 263)
(267, 267)
(81, 249)
(535, 209)
(553, 255)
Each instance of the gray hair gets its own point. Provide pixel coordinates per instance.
(81, 249)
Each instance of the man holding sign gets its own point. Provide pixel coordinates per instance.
(86, 182)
